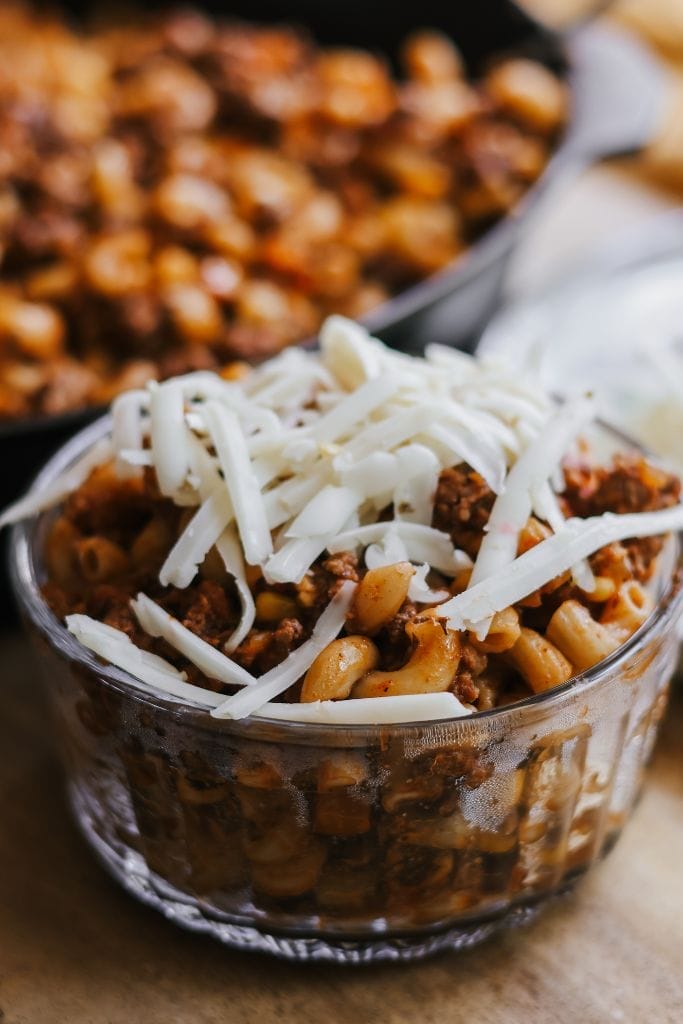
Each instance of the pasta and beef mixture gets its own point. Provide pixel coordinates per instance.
(340, 527)
(177, 193)
(111, 540)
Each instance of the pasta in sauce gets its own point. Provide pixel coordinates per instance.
(225, 556)
(176, 193)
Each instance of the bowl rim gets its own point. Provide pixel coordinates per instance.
(26, 587)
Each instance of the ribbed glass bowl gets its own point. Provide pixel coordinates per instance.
(348, 843)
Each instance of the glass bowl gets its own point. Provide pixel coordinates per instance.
(348, 843)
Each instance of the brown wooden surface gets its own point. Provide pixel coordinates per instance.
(74, 949)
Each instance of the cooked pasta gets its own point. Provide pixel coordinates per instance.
(177, 192)
(267, 560)
(576, 633)
(541, 664)
(502, 634)
(628, 609)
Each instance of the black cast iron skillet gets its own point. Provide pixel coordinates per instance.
(617, 92)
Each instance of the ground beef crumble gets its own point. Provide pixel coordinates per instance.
(204, 609)
(473, 664)
(264, 649)
(462, 507)
(630, 485)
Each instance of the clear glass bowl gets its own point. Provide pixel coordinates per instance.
(348, 843)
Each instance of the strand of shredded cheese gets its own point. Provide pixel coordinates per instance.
(168, 435)
(196, 540)
(546, 506)
(423, 544)
(579, 538)
(512, 508)
(157, 622)
(242, 486)
(229, 549)
(60, 489)
(122, 652)
(127, 431)
(423, 707)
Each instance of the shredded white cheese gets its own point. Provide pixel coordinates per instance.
(127, 431)
(526, 479)
(420, 707)
(418, 475)
(374, 476)
(422, 544)
(229, 549)
(245, 493)
(196, 540)
(145, 668)
(291, 562)
(157, 622)
(168, 435)
(346, 352)
(512, 508)
(547, 506)
(579, 538)
(326, 513)
(354, 409)
(464, 446)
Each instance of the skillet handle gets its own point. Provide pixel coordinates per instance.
(619, 92)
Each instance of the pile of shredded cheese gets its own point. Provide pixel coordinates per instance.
(300, 457)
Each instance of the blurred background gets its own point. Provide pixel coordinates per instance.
(179, 195)
(606, 198)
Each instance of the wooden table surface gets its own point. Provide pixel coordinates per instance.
(74, 949)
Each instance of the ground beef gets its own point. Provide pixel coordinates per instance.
(462, 506)
(210, 613)
(263, 650)
(323, 580)
(630, 485)
(111, 605)
(642, 554)
(393, 641)
(472, 664)
(343, 566)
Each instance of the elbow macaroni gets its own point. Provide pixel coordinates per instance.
(628, 609)
(575, 632)
(503, 633)
(539, 661)
(379, 596)
(431, 667)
